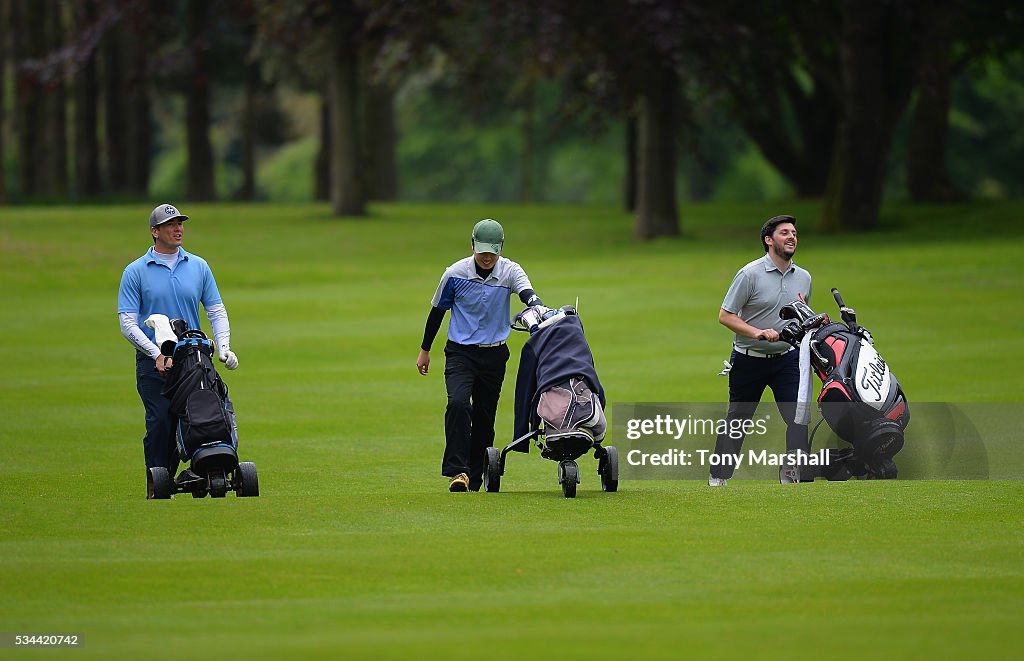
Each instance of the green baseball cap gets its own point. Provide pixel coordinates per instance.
(488, 236)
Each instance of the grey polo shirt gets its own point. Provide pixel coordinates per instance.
(756, 295)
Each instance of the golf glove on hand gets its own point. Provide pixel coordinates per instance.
(228, 357)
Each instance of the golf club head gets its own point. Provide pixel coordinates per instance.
(530, 318)
(179, 327)
(816, 321)
(552, 317)
(796, 310)
(792, 333)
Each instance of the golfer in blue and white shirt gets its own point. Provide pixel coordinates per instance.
(476, 289)
(168, 281)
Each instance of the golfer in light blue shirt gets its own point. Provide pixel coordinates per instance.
(167, 280)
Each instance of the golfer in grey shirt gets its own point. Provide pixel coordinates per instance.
(759, 360)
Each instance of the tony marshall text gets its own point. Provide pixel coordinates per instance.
(709, 458)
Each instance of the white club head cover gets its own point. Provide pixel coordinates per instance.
(228, 357)
(161, 326)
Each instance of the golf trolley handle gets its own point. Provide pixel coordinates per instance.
(515, 445)
(838, 297)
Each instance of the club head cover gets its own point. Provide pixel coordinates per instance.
(165, 337)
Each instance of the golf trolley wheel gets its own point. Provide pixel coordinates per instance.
(248, 483)
(608, 468)
(569, 477)
(159, 485)
(492, 472)
(218, 485)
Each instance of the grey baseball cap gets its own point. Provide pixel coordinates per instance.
(488, 236)
(163, 213)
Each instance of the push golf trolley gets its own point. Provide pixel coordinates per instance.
(559, 401)
(206, 435)
(565, 451)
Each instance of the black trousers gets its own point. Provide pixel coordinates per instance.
(748, 378)
(472, 376)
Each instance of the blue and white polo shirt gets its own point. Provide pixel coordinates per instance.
(480, 307)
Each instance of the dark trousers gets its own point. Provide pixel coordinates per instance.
(472, 376)
(748, 378)
(159, 442)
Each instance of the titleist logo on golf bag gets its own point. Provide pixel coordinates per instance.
(872, 381)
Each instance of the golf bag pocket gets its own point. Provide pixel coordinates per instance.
(873, 434)
(571, 408)
(205, 420)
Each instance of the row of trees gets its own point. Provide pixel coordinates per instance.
(819, 86)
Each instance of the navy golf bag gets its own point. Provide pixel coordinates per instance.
(559, 403)
(199, 399)
(860, 398)
(207, 436)
(558, 390)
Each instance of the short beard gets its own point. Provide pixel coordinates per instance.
(780, 251)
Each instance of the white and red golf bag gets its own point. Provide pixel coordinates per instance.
(860, 398)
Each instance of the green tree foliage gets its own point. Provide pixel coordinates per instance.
(448, 154)
(986, 140)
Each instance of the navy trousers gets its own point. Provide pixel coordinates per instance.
(748, 378)
(472, 377)
(159, 442)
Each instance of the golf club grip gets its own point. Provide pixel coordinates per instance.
(838, 297)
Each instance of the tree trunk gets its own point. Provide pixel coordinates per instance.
(347, 187)
(803, 159)
(247, 190)
(876, 86)
(15, 44)
(526, 158)
(805, 166)
(381, 139)
(56, 110)
(115, 114)
(139, 142)
(87, 152)
(27, 42)
(322, 166)
(379, 134)
(6, 22)
(199, 185)
(927, 177)
(629, 186)
(657, 213)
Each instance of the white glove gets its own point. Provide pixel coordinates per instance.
(228, 357)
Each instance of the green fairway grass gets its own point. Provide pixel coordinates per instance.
(355, 549)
